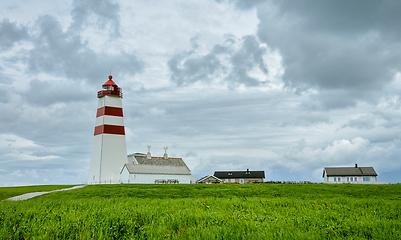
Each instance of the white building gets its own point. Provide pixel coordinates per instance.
(142, 168)
(109, 151)
(355, 175)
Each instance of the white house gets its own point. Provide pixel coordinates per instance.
(355, 175)
(143, 168)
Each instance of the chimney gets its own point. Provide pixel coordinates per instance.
(165, 153)
(148, 155)
(356, 165)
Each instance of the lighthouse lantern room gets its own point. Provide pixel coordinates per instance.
(109, 150)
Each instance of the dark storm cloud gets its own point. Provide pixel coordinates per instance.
(11, 33)
(187, 70)
(346, 17)
(188, 67)
(244, 60)
(100, 12)
(351, 45)
(63, 54)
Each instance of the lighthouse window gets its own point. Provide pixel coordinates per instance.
(108, 88)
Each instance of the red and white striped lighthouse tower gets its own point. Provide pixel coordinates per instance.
(109, 150)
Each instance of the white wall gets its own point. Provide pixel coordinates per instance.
(373, 180)
(150, 178)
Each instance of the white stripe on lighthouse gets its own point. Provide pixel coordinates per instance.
(109, 120)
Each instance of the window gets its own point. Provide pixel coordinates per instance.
(241, 181)
(347, 179)
(232, 180)
(366, 179)
(355, 179)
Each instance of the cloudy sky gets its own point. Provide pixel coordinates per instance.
(287, 87)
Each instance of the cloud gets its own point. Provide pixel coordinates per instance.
(306, 119)
(15, 149)
(45, 93)
(329, 46)
(243, 4)
(235, 62)
(10, 33)
(101, 13)
(63, 54)
(365, 121)
(11, 141)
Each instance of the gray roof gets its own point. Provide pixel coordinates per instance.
(160, 161)
(239, 174)
(156, 169)
(143, 160)
(349, 171)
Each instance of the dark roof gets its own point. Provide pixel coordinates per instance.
(349, 171)
(239, 174)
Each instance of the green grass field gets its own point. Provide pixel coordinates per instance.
(229, 211)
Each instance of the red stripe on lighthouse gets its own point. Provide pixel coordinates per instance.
(109, 111)
(109, 129)
(98, 130)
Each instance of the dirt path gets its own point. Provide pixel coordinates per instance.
(35, 194)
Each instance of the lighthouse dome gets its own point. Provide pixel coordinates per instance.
(110, 88)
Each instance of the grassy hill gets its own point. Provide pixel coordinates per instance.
(229, 211)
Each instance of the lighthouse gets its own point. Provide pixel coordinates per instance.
(109, 150)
